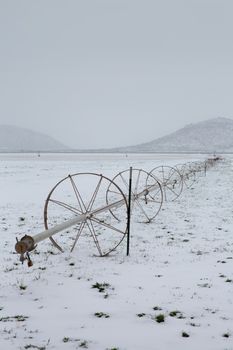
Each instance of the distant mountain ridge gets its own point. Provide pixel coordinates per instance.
(214, 135)
(16, 139)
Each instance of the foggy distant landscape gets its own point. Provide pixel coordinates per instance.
(215, 135)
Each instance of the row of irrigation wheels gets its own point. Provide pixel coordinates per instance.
(82, 193)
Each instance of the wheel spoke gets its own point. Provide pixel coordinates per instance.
(165, 194)
(92, 231)
(81, 227)
(66, 206)
(176, 194)
(153, 195)
(78, 196)
(114, 192)
(137, 182)
(125, 182)
(169, 177)
(142, 210)
(90, 205)
(95, 219)
(163, 174)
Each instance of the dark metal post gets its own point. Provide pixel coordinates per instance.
(129, 209)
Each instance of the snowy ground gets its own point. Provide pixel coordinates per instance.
(180, 266)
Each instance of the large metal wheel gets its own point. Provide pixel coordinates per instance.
(146, 195)
(85, 193)
(199, 168)
(188, 174)
(170, 180)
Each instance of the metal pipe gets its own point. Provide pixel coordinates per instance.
(75, 220)
(28, 243)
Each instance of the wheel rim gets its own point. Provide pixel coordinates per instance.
(170, 180)
(146, 203)
(83, 193)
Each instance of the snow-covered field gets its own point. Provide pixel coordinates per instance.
(180, 266)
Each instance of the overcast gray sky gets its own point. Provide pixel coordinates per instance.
(105, 73)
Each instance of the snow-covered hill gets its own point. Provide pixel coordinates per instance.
(214, 135)
(15, 139)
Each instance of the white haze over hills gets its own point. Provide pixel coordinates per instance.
(15, 139)
(214, 135)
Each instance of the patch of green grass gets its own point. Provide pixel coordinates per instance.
(101, 286)
(30, 346)
(6, 319)
(226, 335)
(19, 318)
(160, 318)
(204, 285)
(157, 308)
(176, 314)
(22, 286)
(173, 313)
(185, 335)
(194, 324)
(101, 315)
(65, 339)
(83, 344)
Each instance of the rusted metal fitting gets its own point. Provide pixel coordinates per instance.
(26, 244)
(23, 247)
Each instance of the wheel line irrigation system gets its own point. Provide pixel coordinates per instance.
(105, 211)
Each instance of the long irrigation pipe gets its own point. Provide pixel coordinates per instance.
(28, 243)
